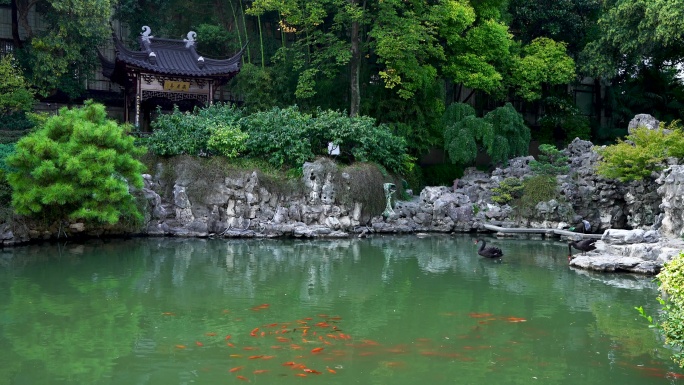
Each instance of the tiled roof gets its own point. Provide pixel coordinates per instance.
(169, 57)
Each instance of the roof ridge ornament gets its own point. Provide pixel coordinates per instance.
(146, 36)
(190, 41)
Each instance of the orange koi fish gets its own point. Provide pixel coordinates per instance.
(210, 334)
(271, 325)
(235, 369)
(515, 319)
(323, 324)
(253, 333)
(228, 337)
(300, 375)
(289, 363)
(235, 355)
(331, 370)
(255, 357)
(276, 347)
(168, 313)
(316, 350)
(250, 348)
(267, 357)
(295, 347)
(230, 344)
(282, 339)
(260, 371)
(243, 378)
(199, 343)
(181, 346)
(480, 315)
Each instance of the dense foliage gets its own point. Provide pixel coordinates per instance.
(502, 133)
(671, 281)
(285, 137)
(641, 153)
(550, 161)
(79, 165)
(15, 93)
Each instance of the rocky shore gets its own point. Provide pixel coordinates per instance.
(642, 222)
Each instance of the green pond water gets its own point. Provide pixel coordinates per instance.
(384, 310)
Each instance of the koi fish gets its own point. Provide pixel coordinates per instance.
(260, 371)
(480, 315)
(255, 357)
(243, 378)
(282, 339)
(228, 337)
(181, 346)
(300, 375)
(323, 324)
(295, 347)
(210, 334)
(249, 348)
(254, 331)
(515, 319)
(312, 371)
(331, 370)
(168, 313)
(230, 344)
(235, 369)
(271, 325)
(289, 363)
(316, 350)
(235, 355)
(199, 343)
(267, 357)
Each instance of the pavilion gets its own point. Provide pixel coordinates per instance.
(166, 72)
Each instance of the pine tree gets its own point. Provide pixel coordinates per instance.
(77, 165)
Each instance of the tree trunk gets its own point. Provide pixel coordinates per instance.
(16, 40)
(354, 65)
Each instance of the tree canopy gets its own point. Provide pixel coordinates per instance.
(79, 165)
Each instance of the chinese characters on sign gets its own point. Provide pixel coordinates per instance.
(170, 85)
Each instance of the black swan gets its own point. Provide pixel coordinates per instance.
(488, 252)
(583, 245)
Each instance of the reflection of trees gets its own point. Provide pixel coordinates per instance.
(75, 334)
(375, 284)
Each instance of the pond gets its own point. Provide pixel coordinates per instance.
(383, 310)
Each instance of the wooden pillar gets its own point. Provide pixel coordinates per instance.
(211, 92)
(138, 95)
(126, 107)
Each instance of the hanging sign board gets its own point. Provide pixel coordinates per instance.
(170, 85)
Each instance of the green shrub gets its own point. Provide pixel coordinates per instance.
(641, 153)
(280, 135)
(502, 133)
(178, 133)
(508, 190)
(539, 188)
(15, 93)
(228, 141)
(551, 161)
(77, 165)
(671, 282)
(5, 151)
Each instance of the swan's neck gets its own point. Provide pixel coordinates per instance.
(482, 246)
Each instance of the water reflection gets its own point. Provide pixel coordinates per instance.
(433, 309)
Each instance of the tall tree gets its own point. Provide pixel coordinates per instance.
(62, 54)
